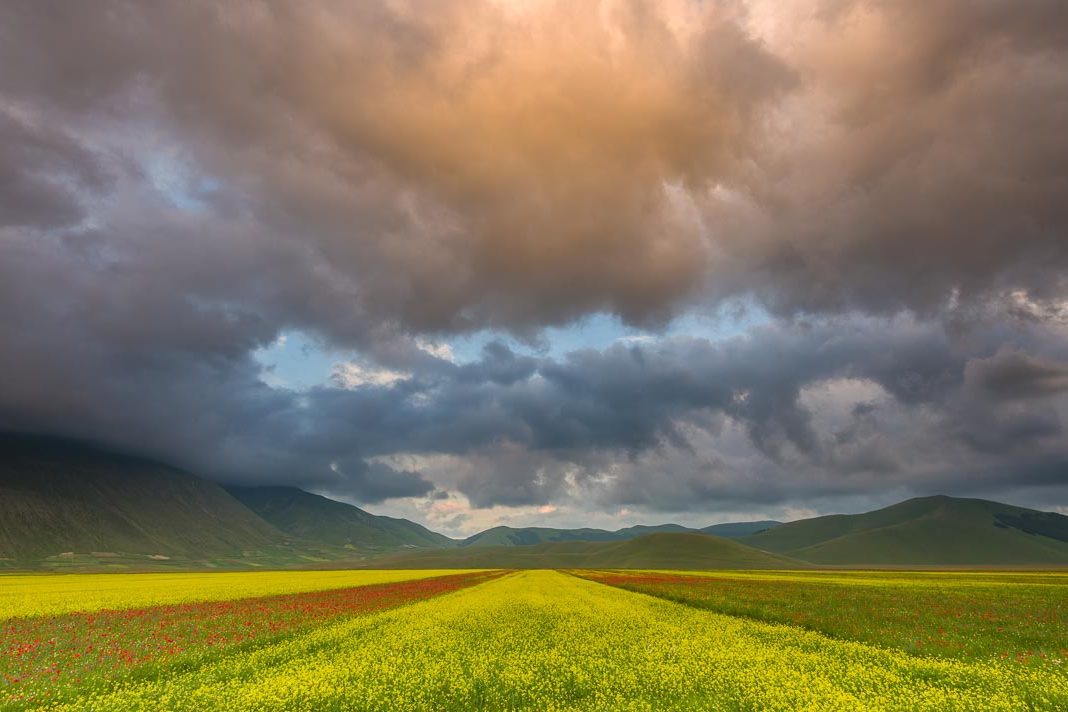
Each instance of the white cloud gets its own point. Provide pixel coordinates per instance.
(437, 350)
(350, 374)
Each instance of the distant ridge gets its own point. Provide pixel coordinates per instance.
(736, 530)
(315, 518)
(664, 550)
(527, 536)
(937, 530)
(59, 496)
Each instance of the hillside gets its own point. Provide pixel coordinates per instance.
(526, 536)
(314, 518)
(61, 496)
(736, 530)
(927, 530)
(70, 503)
(666, 550)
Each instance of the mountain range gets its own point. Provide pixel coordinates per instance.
(59, 496)
(312, 517)
(926, 530)
(661, 550)
(526, 536)
(64, 502)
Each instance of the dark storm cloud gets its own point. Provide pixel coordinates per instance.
(371, 483)
(42, 173)
(664, 410)
(920, 162)
(1012, 374)
(481, 165)
(181, 182)
(683, 423)
(654, 414)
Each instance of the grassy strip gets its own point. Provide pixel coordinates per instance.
(952, 617)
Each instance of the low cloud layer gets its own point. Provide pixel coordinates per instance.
(180, 183)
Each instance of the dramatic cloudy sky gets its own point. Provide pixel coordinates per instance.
(492, 261)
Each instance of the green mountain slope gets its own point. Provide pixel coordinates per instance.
(643, 529)
(926, 530)
(667, 550)
(60, 496)
(527, 536)
(319, 519)
(736, 530)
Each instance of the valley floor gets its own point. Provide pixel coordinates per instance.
(537, 640)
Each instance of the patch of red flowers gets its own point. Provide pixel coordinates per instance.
(40, 653)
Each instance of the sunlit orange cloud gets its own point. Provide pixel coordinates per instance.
(538, 145)
(516, 164)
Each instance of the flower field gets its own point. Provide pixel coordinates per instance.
(537, 640)
(36, 594)
(43, 657)
(965, 616)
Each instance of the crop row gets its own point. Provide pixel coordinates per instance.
(53, 594)
(948, 616)
(47, 657)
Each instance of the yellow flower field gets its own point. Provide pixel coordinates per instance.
(544, 640)
(54, 594)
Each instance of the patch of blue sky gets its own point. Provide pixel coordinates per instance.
(179, 184)
(298, 362)
(599, 331)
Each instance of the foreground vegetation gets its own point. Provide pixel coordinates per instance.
(51, 594)
(1021, 617)
(49, 658)
(541, 640)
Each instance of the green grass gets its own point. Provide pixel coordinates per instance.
(1017, 617)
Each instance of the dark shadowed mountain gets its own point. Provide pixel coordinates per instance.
(59, 496)
(665, 550)
(925, 531)
(315, 518)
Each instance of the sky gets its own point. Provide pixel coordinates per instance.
(481, 262)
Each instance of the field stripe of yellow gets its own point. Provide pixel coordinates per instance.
(55, 594)
(543, 640)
